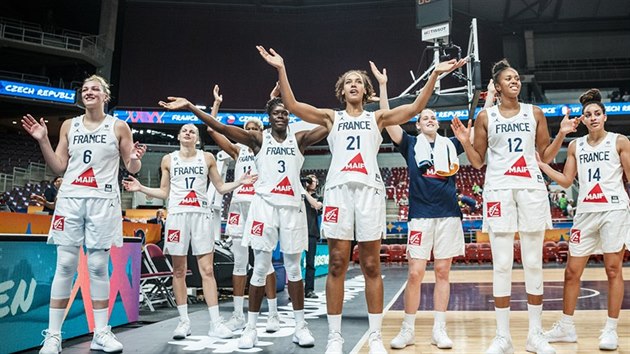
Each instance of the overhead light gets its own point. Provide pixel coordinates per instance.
(45, 120)
(200, 106)
(14, 122)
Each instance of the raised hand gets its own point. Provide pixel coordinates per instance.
(131, 184)
(448, 66)
(217, 97)
(461, 131)
(138, 151)
(567, 125)
(38, 199)
(37, 130)
(381, 77)
(274, 59)
(275, 92)
(175, 103)
(492, 90)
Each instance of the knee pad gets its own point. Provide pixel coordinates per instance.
(502, 259)
(67, 261)
(532, 261)
(262, 262)
(293, 266)
(98, 267)
(241, 258)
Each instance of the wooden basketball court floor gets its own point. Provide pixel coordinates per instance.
(472, 331)
(471, 323)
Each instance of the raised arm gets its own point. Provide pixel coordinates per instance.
(566, 177)
(395, 131)
(223, 142)
(56, 159)
(253, 140)
(130, 152)
(567, 126)
(404, 113)
(218, 183)
(309, 137)
(476, 152)
(133, 185)
(316, 204)
(306, 112)
(491, 95)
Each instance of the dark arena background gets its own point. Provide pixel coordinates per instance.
(152, 49)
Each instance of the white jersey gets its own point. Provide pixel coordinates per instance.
(189, 183)
(511, 160)
(354, 143)
(214, 197)
(600, 175)
(245, 162)
(279, 167)
(94, 160)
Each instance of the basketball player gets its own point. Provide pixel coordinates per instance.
(515, 197)
(237, 214)
(87, 212)
(602, 218)
(277, 212)
(184, 182)
(354, 199)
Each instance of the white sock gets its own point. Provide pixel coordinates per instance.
(410, 319)
(503, 321)
(183, 312)
(273, 305)
(100, 318)
(334, 323)
(611, 323)
(55, 319)
(252, 318)
(299, 316)
(214, 313)
(375, 320)
(567, 320)
(238, 304)
(535, 313)
(439, 318)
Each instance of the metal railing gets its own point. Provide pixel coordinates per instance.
(6, 182)
(90, 46)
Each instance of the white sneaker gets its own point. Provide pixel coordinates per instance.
(236, 322)
(404, 338)
(607, 340)
(218, 329)
(537, 343)
(302, 336)
(249, 338)
(335, 343)
(106, 341)
(375, 341)
(51, 343)
(273, 323)
(182, 330)
(561, 332)
(440, 338)
(501, 345)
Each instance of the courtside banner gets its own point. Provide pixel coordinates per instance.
(175, 117)
(36, 92)
(169, 117)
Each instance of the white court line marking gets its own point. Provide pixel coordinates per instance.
(363, 339)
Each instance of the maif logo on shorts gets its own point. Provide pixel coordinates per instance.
(173, 236)
(576, 235)
(331, 214)
(257, 228)
(415, 238)
(234, 218)
(59, 223)
(494, 210)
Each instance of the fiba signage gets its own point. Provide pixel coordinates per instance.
(36, 92)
